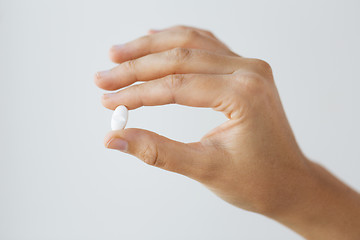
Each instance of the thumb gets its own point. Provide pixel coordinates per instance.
(185, 158)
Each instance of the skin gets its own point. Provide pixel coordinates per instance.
(252, 160)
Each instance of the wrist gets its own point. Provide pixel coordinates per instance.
(321, 207)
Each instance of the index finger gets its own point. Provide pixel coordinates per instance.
(196, 90)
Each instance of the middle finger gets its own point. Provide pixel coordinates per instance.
(157, 65)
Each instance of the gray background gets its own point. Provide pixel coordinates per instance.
(57, 181)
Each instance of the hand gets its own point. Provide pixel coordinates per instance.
(240, 160)
(251, 161)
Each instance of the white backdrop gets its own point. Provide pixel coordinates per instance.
(57, 181)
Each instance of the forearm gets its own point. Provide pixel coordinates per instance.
(326, 208)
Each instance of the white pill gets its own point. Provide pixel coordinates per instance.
(119, 118)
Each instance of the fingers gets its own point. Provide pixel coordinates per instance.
(177, 60)
(182, 27)
(165, 40)
(187, 159)
(207, 33)
(197, 90)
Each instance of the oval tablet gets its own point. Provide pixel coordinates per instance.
(119, 118)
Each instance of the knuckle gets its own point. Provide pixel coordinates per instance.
(189, 36)
(130, 65)
(150, 156)
(174, 81)
(262, 66)
(208, 33)
(180, 27)
(138, 92)
(180, 55)
(251, 83)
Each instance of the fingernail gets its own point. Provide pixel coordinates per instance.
(118, 144)
(151, 31)
(103, 75)
(108, 95)
(117, 46)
